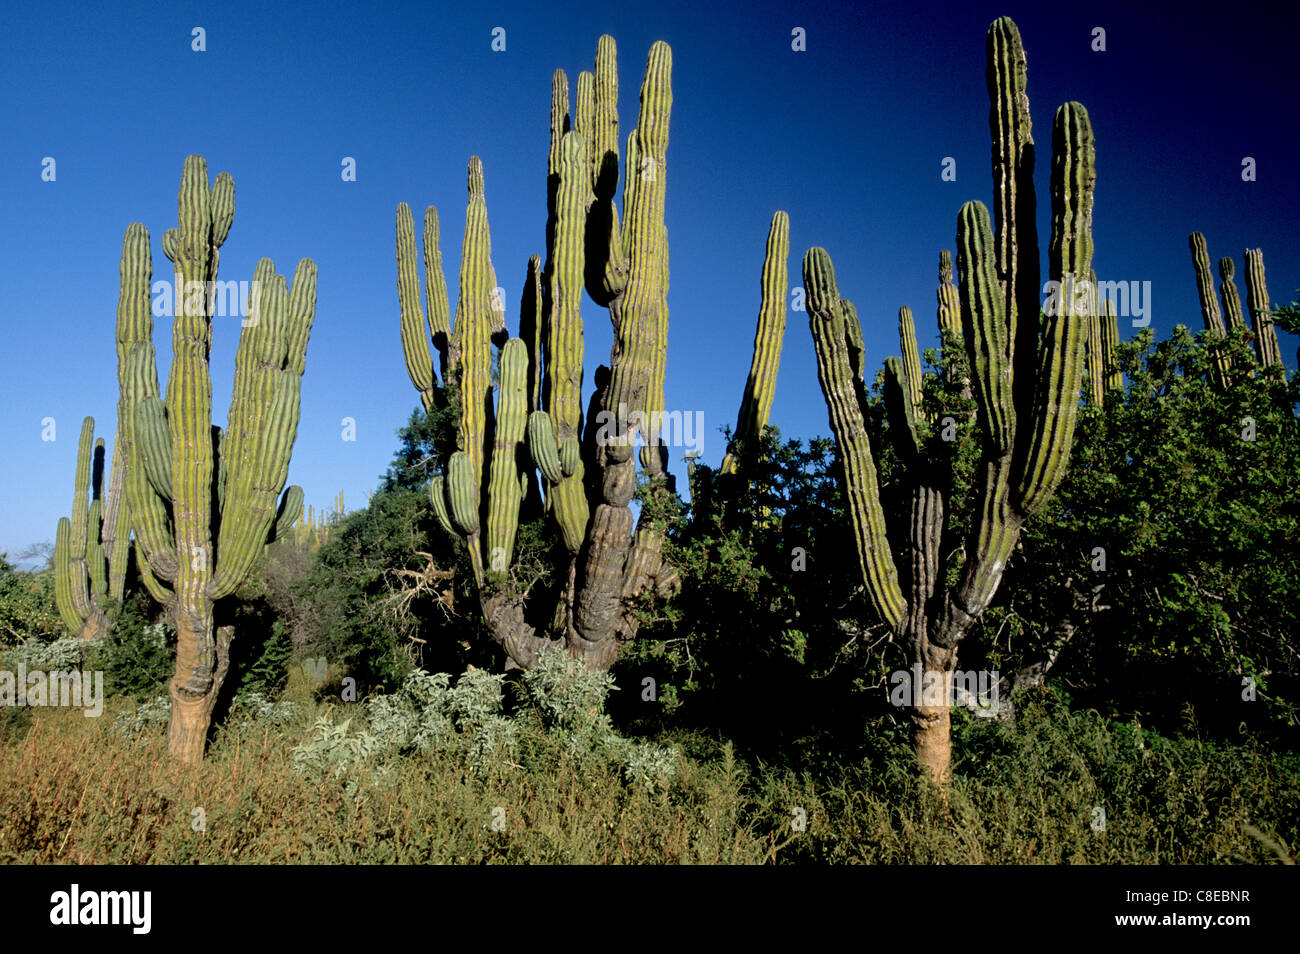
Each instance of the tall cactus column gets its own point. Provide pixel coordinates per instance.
(204, 501)
(1266, 345)
(1027, 402)
(760, 387)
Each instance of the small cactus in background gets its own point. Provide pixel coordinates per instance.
(1027, 392)
(92, 549)
(203, 500)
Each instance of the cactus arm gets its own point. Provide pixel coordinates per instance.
(1205, 284)
(1070, 257)
(415, 327)
(949, 303)
(63, 577)
(438, 497)
(901, 410)
(287, 514)
(138, 381)
(1233, 315)
(911, 356)
(840, 387)
(503, 481)
(564, 333)
(435, 293)
(760, 387)
(1266, 343)
(1014, 203)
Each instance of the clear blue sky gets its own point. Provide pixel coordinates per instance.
(847, 137)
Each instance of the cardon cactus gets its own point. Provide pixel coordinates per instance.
(92, 548)
(760, 387)
(203, 500)
(537, 424)
(1261, 318)
(1210, 313)
(1103, 335)
(1026, 391)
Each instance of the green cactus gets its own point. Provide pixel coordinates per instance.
(949, 301)
(90, 563)
(1231, 299)
(1026, 391)
(911, 357)
(538, 426)
(1261, 318)
(192, 554)
(760, 387)
(1210, 313)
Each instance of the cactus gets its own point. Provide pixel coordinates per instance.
(1103, 336)
(1261, 319)
(949, 302)
(607, 561)
(200, 540)
(1026, 392)
(911, 357)
(91, 552)
(760, 387)
(1210, 313)
(1231, 299)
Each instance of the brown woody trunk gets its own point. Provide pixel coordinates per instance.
(194, 689)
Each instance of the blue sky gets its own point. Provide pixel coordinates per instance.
(848, 137)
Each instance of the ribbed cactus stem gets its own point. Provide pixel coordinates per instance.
(507, 450)
(911, 356)
(1261, 318)
(474, 331)
(1014, 202)
(760, 387)
(1205, 284)
(1113, 378)
(984, 327)
(841, 389)
(1070, 261)
(63, 577)
(1231, 299)
(416, 336)
(949, 303)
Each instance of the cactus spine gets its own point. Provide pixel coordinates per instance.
(760, 387)
(200, 540)
(90, 561)
(1026, 392)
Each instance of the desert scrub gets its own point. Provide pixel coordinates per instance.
(465, 722)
